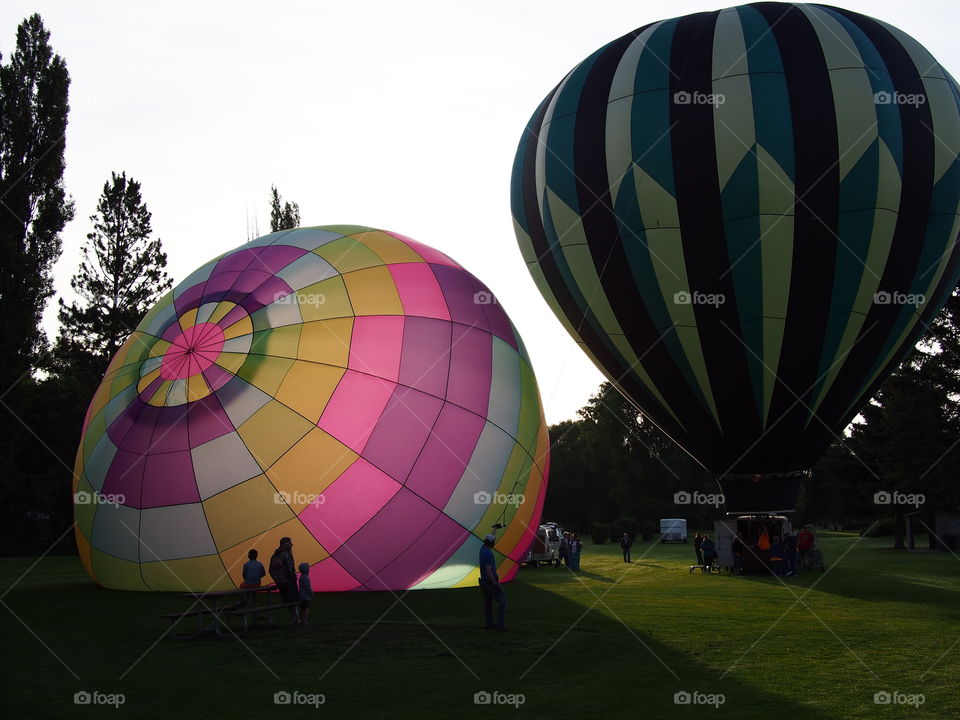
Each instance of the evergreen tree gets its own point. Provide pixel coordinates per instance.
(33, 204)
(34, 85)
(283, 215)
(121, 276)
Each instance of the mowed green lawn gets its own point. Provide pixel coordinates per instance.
(614, 641)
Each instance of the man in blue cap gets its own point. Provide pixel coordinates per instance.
(491, 587)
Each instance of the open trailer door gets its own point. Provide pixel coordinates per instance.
(723, 533)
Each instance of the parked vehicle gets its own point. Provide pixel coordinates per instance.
(750, 526)
(673, 529)
(545, 547)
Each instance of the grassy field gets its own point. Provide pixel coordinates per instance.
(613, 641)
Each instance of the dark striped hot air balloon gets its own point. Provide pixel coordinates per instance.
(747, 218)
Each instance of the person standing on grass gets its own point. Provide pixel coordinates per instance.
(575, 547)
(698, 547)
(491, 588)
(804, 542)
(792, 555)
(253, 571)
(776, 556)
(625, 544)
(709, 551)
(284, 574)
(565, 549)
(306, 593)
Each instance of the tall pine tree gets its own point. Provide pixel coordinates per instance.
(34, 85)
(122, 274)
(33, 204)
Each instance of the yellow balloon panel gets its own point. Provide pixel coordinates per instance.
(250, 507)
(205, 571)
(271, 431)
(319, 381)
(299, 475)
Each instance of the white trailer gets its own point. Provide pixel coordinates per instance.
(673, 529)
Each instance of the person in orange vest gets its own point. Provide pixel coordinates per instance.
(763, 542)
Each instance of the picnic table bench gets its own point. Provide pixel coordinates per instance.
(217, 607)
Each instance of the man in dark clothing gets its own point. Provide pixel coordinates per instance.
(491, 587)
(709, 551)
(792, 555)
(625, 544)
(804, 541)
(698, 547)
(284, 574)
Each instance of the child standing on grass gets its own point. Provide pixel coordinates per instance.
(306, 593)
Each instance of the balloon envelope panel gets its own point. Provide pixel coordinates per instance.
(746, 218)
(347, 387)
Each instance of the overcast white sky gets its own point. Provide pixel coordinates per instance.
(398, 115)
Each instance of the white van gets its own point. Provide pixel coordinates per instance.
(545, 547)
(674, 529)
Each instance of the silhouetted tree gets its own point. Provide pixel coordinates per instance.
(123, 273)
(34, 86)
(33, 204)
(283, 215)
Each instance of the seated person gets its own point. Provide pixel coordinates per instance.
(253, 571)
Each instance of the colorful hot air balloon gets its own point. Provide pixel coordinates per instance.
(347, 387)
(746, 218)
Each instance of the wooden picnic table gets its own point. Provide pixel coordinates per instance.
(218, 606)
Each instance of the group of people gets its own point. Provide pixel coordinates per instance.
(282, 572)
(783, 555)
(705, 549)
(570, 548)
